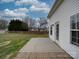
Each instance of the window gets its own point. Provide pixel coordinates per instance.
(57, 31)
(51, 30)
(75, 29)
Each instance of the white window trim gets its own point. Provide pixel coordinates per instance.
(74, 43)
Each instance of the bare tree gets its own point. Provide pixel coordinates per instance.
(3, 24)
(43, 24)
(30, 21)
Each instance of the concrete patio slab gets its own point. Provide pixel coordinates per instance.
(42, 48)
(41, 45)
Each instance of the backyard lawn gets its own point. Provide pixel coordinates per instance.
(11, 43)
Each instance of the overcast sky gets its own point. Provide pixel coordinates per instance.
(24, 8)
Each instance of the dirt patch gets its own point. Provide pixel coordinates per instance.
(4, 43)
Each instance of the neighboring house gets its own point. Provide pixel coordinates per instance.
(2, 31)
(3, 26)
(63, 20)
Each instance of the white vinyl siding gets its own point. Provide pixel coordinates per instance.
(62, 14)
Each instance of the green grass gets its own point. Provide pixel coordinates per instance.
(11, 43)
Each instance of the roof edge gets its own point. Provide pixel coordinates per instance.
(55, 7)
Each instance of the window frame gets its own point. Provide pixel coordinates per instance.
(51, 29)
(74, 30)
(57, 37)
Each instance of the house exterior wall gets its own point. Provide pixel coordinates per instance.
(62, 15)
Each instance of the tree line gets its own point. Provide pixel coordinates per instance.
(17, 25)
(26, 24)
